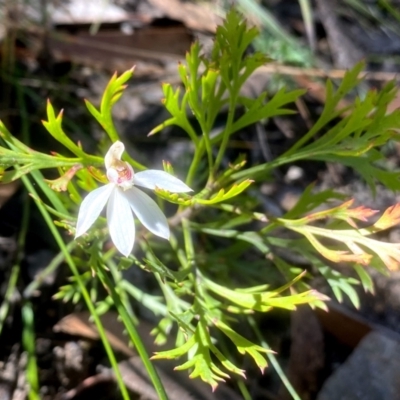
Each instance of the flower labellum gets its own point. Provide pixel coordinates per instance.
(124, 198)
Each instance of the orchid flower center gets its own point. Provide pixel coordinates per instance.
(121, 175)
(118, 172)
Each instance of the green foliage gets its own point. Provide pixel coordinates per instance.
(225, 259)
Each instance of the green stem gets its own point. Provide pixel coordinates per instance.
(281, 160)
(123, 293)
(209, 155)
(198, 154)
(187, 237)
(41, 276)
(243, 390)
(16, 268)
(82, 287)
(207, 142)
(12, 283)
(27, 313)
(273, 360)
(190, 257)
(28, 340)
(133, 333)
(228, 128)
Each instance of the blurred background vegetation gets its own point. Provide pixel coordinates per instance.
(66, 51)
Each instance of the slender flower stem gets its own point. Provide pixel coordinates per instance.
(273, 360)
(53, 265)
(28, 329)
(82, 287)
(226, 134)
(198, 154)
(5, 305)
(233, 95)
(190, 257)
(187, 237)
(133, 333)
(209, 155)
(119, 281)
(28, 341)
(207, 142)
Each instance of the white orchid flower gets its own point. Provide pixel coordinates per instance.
(124, 198)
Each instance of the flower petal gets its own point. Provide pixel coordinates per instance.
(120, 222)
(148, 212)
(152, 178)
(114, 153)
(91, 207)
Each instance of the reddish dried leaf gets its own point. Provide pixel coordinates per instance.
(391, 263)
(344, 212)
(338, 255)
(389, 253)
(361, 213)
(60, 184)
(390, 217)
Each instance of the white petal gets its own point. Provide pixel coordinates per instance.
(148, 212)
(114, 153)
(153, 178)
(91, 207)
(120, 222)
